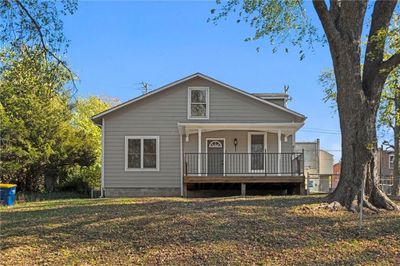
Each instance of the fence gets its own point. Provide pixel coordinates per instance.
(326, 183)
(321, 183)
(386, 184)
(233, 164)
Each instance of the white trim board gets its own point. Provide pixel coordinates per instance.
(188, 78)
(103, 131)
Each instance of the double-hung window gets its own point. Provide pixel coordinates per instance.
(198, 103)
(142, 153)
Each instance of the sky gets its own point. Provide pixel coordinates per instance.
(116, 45)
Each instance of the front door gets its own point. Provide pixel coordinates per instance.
(215, 157)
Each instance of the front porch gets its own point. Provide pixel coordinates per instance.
(276, 169)
(241, 154)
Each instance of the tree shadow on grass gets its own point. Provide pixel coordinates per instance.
(141, 226)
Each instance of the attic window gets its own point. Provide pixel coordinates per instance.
(198, 103)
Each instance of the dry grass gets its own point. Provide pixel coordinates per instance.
(253, 230)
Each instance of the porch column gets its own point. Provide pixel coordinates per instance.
(279, 151)
(199, 152)
(243, 189)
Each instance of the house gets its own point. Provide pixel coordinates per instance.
(386, 162)
(385, 169)
(318, 164)
(337, 167)
(199, 131)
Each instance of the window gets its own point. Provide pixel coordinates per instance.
(142, 153)
(391, 161)
(198, 103)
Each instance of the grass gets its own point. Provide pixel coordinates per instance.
(252, 230)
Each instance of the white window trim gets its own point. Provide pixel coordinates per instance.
(249, 134)
(157, 138)
(391, 164)
(189, 110)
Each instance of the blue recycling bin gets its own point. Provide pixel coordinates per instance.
(7, 194)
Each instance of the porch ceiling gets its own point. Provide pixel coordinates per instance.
(285, 128)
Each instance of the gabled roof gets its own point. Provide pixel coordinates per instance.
(117, 107)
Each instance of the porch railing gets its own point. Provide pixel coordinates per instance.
(233, 164)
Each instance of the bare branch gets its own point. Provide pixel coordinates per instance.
(43, 43)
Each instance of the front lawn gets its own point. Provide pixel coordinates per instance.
(252, 230)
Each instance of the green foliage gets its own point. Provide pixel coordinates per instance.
(43, 139)
(280, 21)
(328, 82)
(33, 101)
(81, 121)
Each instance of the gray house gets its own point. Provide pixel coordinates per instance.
(198, 131)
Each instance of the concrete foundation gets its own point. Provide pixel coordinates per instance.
(142, 192)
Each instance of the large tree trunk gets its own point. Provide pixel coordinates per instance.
(358, 96)
(359, 147)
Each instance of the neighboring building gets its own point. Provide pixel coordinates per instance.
(386, 162)
(385, 165)
(318, 164)
(198, 130)
(337, 167)
(385, 169)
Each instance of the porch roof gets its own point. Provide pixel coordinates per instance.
(285, 128)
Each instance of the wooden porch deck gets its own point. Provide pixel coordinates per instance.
(296, 181)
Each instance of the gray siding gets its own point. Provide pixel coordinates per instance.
(280, 102)
(158, 115)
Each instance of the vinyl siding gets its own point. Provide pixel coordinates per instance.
(158, 115)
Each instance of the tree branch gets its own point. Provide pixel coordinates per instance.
(387, 66)
(43, 43)
(334, 10)
(328, 24)
(381, 16)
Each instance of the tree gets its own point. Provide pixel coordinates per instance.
(91, 133)
(389, 120)
(359, 88)
(38, 141)
(34, 106)
(37, 23)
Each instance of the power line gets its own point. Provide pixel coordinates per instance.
(320, 131)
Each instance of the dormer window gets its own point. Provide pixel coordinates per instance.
(198, 103)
